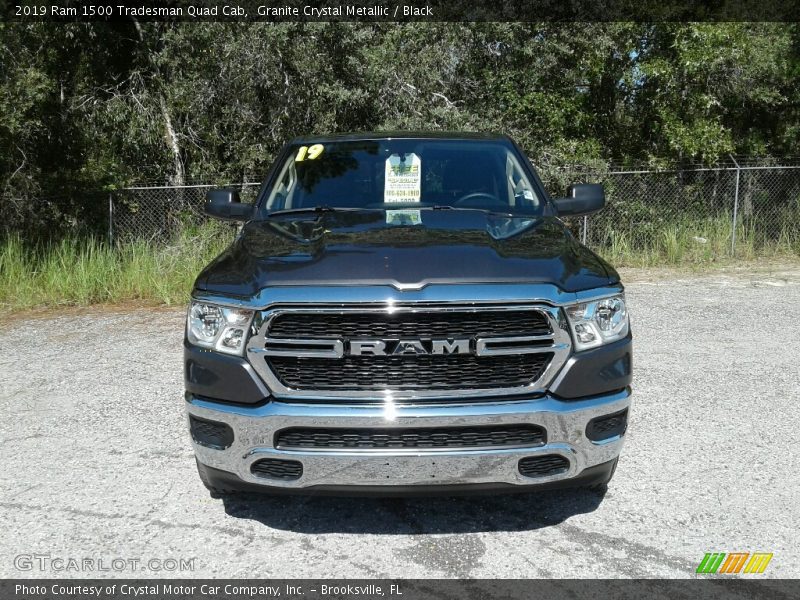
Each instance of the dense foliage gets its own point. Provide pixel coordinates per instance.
(86, 107)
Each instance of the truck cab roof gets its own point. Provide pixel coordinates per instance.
(384, 135)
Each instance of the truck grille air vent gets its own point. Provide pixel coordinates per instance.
(405, 372)
(273, 468)
(212, 434)
(409, 325)
(415, 438)
(541, 466)
(608, 426)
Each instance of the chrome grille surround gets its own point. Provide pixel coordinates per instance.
(260, 346)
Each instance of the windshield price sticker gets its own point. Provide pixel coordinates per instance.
(403, 216)
(403, 178)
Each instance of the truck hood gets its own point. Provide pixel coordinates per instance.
(404, 249)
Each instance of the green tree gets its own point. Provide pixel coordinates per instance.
(92, 106)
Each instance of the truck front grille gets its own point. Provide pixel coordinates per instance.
(410, 438)
(408, 352)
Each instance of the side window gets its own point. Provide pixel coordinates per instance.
(520, 190)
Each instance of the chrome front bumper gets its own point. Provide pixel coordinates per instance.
(564, 421)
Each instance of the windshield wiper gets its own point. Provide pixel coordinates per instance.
(322, 208)
(488, 211)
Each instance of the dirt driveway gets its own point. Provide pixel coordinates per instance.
(97, 461)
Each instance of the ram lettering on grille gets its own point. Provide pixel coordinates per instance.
(386, 347)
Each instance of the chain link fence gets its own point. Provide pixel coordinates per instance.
(715, 211)
(160, 213)
(705, 212)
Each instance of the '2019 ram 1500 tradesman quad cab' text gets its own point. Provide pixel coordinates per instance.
(406, 313)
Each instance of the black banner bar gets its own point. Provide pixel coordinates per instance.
(401, 10)
(728, 588)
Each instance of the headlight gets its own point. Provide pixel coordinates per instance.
(598, 322)
(223, 329)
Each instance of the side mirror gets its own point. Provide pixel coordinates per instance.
(582, 199)
(225, 204)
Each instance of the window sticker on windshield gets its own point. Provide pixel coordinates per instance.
(403, 216)
(310, 153)
(403, 178)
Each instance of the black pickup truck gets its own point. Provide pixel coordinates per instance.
(406, 313)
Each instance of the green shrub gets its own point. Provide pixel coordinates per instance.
(696, 242)
(88, 271)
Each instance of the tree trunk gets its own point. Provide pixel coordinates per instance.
(172, 142)
(170, 136)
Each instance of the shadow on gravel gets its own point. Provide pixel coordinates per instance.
(402, 516)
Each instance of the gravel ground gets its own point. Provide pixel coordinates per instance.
(97, 461)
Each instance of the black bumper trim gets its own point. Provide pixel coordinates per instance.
(594, 372)
(222, 377)
(595, 475)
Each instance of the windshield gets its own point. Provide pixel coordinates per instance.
(404, 173)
